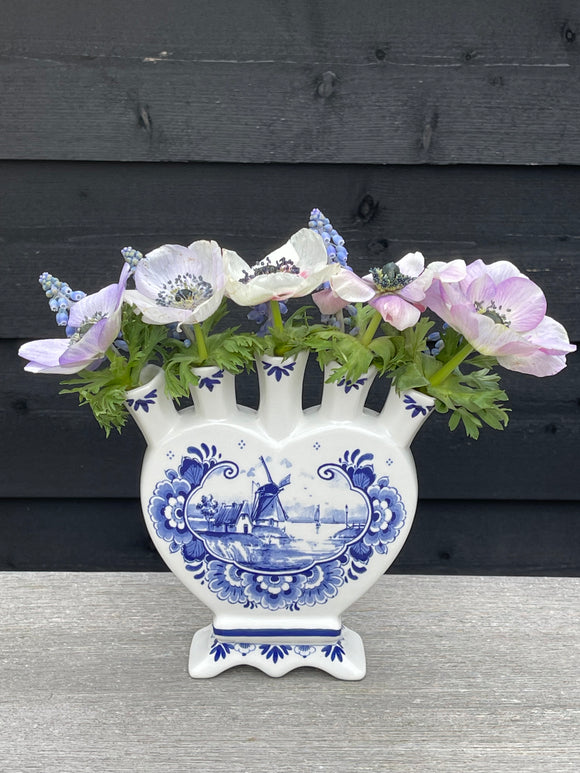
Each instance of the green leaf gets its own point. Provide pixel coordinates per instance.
(410, 376)
(384, 349)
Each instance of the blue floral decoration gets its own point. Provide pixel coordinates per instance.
(288, 589)
(304, 650)
(412, 405)
(143, 402)
(220, 650)
(278, 370)
(349, 385)
(275, 652)
(167, 511)
(334, 651)
(209, 382)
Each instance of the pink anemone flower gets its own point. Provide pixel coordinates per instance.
(396, 290)
(97, 319)
(502, 313)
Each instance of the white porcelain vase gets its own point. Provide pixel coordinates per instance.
(277, 519)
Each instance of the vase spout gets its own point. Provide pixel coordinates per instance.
(149, 405)
(344, 400)
(280, 381)
(214, 395)
(405, 413)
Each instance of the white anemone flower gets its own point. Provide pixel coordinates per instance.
(176, 284)
(291, 271)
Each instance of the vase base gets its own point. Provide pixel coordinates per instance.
(343, 659)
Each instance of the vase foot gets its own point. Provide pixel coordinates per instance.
(343, 659)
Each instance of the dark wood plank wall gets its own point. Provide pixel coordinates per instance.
(448, 127)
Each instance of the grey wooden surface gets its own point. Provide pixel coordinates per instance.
(464, 674)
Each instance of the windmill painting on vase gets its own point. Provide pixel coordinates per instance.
(277, 523)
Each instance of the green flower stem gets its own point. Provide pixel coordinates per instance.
(278, 324)
(196, 336)
(111, 354)
(372, 328)
(200, 341)
(439, 376)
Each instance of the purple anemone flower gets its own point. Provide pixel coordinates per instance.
(502, 313)
(97, 319)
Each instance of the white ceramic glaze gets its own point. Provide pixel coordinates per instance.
(277, 519)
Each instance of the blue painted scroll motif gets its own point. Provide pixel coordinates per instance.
(275, 540)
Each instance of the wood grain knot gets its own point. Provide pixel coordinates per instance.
(497, 80)
(429, 126)
(367, 208)
(144, 118)
(326, 84)
(568, 33)
(469, 56)
(377, 246)
(20, 406)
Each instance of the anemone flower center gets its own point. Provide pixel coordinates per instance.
(493, 311)
(85, 326)
(390, 278)
(281, 266)
(185, 291)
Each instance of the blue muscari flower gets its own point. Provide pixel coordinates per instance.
(335, 249)
(60, 299)
(262, 315)
(121, 344)
(132, 257)
(337, 253)
(330, 319)
(259, 313)
(435, 344)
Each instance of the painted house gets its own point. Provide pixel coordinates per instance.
(232, 518)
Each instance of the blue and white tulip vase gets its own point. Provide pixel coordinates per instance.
(277, 519)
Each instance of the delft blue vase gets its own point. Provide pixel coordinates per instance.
(277, 519)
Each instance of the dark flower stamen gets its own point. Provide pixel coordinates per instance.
(185, 291)
(389, 278)
(85, 326)
(281, 266)
(494, 312)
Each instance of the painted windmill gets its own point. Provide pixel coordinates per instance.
(267, 510)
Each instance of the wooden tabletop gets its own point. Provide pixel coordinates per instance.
(464, 674)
